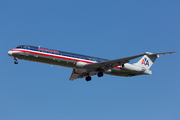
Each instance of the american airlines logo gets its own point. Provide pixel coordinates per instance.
(145, 62)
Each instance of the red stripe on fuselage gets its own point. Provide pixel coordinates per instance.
(56, 56)
(50, 55)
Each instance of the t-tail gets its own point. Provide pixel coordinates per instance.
(148, 59)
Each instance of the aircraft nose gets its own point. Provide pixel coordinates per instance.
(10, 53)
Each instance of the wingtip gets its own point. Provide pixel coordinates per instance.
(173, 52)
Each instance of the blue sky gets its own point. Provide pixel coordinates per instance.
(101, 28)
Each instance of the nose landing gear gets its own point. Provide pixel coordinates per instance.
(15, 62)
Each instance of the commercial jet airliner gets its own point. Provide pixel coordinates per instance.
(86, 66)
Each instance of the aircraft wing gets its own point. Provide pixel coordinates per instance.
(111, 63)
(94, 68)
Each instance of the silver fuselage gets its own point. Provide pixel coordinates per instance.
(65, 59)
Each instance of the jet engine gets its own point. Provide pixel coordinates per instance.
(132, 67)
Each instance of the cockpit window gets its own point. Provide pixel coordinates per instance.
(20, 47)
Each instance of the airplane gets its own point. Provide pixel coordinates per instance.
(86, 66)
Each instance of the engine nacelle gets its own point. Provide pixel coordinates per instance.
(81, 64)
(131, 67)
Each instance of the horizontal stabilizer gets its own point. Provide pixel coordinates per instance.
(159, 53)
(149, 58)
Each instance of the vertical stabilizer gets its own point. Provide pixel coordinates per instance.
(147, 60)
